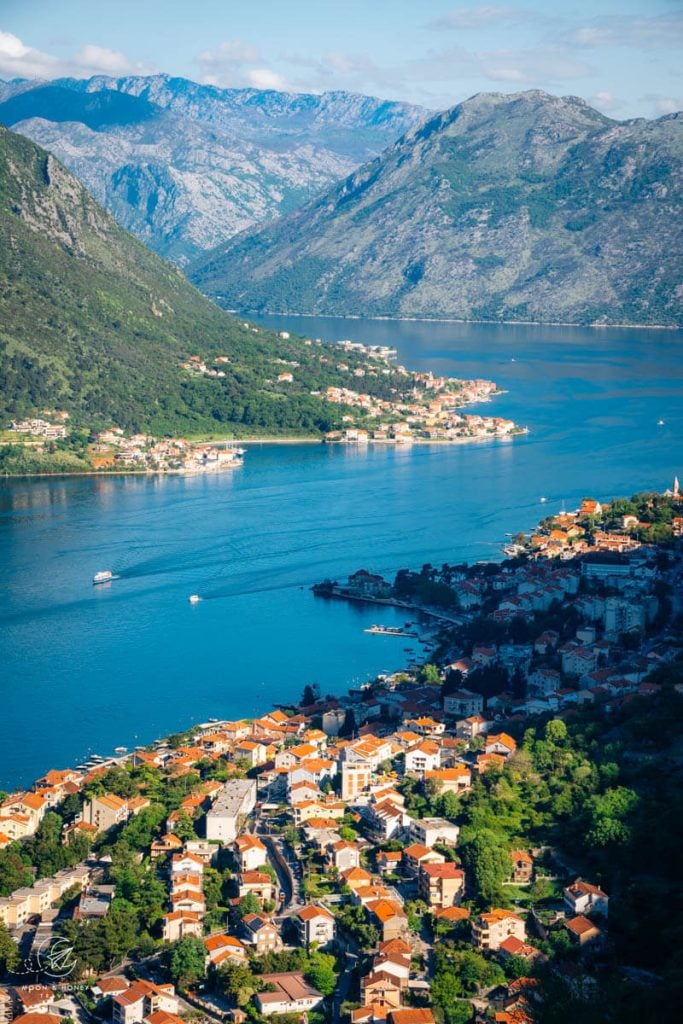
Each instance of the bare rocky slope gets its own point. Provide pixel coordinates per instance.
(525, 207)
(185, 166)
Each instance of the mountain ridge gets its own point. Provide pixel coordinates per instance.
(522, 207)
(198, 163)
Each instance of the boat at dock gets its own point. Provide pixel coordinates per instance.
(389, 631)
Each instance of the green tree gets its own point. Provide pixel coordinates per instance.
(187, 961)
(248, 905)
(487, 863)
(237, 982)
(320, 972)
(9, 952)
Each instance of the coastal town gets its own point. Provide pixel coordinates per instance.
(447, 843)
(112, 449)
(423, 409)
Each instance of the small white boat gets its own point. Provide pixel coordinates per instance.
(660, 423)
(543, 501)
(106, 576)
(120, 750)
(194, 599)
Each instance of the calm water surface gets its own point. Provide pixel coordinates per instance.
(84, 669)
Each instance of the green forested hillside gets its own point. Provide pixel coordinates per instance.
(94, 323)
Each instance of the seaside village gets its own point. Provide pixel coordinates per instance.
(429, 413)
(112, 449)
(424, 410)
(309, 865)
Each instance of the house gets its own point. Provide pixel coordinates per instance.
(452, 915)
(250, 852)
(491, 928)
(451, 780)
(414, 1015)
(315, 925)
(388, 861)
(33, 999)
(522, 866)
(259, 932)
(474, 725)
(367, 584)
(387, 818)
(181, 923)
(343, 855)
(579, 660)
(104, 812)
(500, 743)
(512, 946)
(441, 885)
(463, 703)
(582, 930)
(140, 1000)
(426, 756)
(292, 994)
(389, 917)
(356, 878)
(109, 987)
(417, 854)
(258, 883)
(434, 830)
(543, 681)
(583, 898)
(484, 655)
(168, 843)
(235, 801)
(381, 989)
(221, 949)
(356, 778)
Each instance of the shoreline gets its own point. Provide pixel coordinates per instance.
(454, 320)
(384, 442)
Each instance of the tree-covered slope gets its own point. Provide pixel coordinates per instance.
(522, 207)
(94, 323)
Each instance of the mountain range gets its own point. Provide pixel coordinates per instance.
(524, 207)
(94, 323)
(185, 166)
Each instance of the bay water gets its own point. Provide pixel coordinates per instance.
(84, 669)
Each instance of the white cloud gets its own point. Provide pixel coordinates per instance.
(235, 64)
(20, 61)
(477, 17)
(660, 105)
(605, 102)
(266, 78)
(642, 33)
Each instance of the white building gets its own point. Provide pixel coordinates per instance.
(236, 799)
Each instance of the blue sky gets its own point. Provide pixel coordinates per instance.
(623, 57)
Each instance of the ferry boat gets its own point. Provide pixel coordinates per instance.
(106, 576)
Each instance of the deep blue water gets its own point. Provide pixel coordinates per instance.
(86, 668)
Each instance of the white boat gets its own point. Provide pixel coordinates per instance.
(120, 750)
(660, 423)
(106, 576)
(543, 501)
(194, 599)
